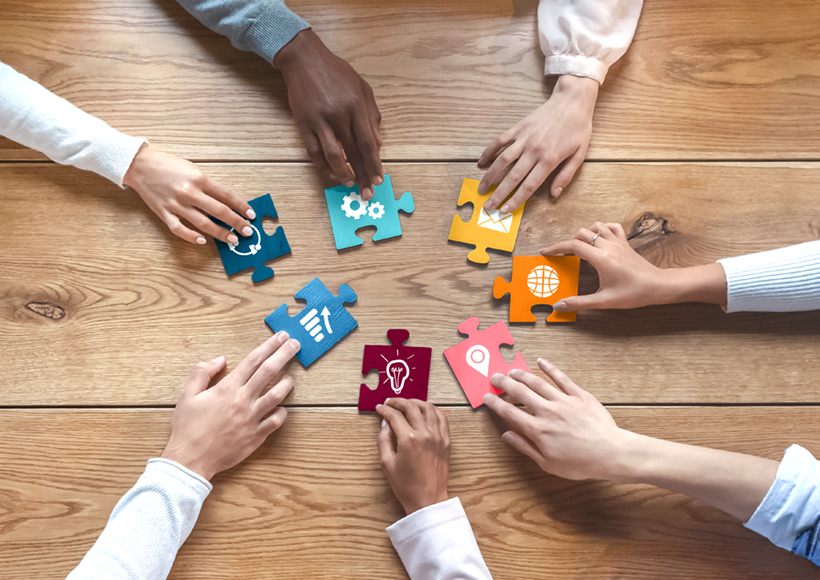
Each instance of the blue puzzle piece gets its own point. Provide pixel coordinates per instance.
(349, 212)
(256, 249)
(320, 324)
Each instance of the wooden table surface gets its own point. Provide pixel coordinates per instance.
(705, 146)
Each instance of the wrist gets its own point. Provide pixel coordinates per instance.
(583, 88)
(706, 284)
(632, 458)
(414, 505)
(131, 176)
(297, 52)
(189, 462)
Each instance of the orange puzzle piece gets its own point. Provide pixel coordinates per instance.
(485, 229)
(539, 280)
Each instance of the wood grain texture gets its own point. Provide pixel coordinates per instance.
(307, 505)
(726, 79)
(100, 305)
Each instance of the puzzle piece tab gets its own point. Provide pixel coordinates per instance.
(539, 280)
(320, 324)
(349, 212)
(403, 370)
(477, 358)
(255, 250)
(485, 229)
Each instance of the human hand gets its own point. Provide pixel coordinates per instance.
(556, 132)
(335, 111)
(565, 430)
(177, 190)
(215, 428)
(627, 280)
(414, 449)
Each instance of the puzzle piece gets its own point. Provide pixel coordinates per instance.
(349, 212)
(539, 280)
(403, 370)
(485, 229)
(256, 249)
(477, 358)
(320, 324)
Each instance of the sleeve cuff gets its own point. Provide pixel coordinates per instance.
(575, 65)
(115, 155)
(792, 504)
(273, 29)
(171, 469)
(433, 516)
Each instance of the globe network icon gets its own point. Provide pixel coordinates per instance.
(543, 281)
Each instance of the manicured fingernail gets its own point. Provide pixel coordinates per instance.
(283, 335)
(560, 306)
(294, 343)
(541, 360)
(218, 360)
(489, 205)
(247, 230)
(384, 423)
(251, 214)
(514, 372)
(366, 192)
(233, 239)
(505, 437)
(504, 208)
(200, 241)
(350, 183)
(557, 191)
(377, 180)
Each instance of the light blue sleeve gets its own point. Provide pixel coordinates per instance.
(147, 527)
(792, 504)
(260, 26)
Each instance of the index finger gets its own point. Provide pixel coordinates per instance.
(368, 144)
(244, 371)
(271, 367)
(410, 409)
(397, 421)
(518, 419)
(576, 247)
(221, 193)
(518, 391)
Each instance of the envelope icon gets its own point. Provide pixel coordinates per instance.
(493, 220)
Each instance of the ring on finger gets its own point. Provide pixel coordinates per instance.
(595, 237)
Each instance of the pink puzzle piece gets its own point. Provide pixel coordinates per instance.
(477, 358)
(403, 370)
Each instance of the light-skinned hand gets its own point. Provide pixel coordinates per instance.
(335, 111)
(414, 449)
(555, 135)
(215, 428)
(183, 197)
(564, 429)
(627, 280)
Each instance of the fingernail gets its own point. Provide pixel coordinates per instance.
(557, 191)
(504, 208)
(489, 205)
(384, 423)
(233, 239)
(284, 335)
(560, 306)
(514, 372)
(251, 214)
(218, 360)
(247, 230)
(366, 191)
(505, 437)
(377, 180)
(294, 343)
(350, 183)
(541, 360)
(200, 241)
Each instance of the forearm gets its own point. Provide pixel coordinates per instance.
(148, 526)
(732, 482)
(35, 117)
(260, 26)
(705, 284)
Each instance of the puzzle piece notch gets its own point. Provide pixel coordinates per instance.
(498, 232)
(350, 213)
(477, 358)
(404, 371)
(322, 323)
(539, 280)
(256, 249)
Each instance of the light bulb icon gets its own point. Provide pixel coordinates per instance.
(398, 372)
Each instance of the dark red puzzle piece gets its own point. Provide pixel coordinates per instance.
(404, 371)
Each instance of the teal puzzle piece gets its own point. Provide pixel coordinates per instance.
(320, 324)
(349, 212)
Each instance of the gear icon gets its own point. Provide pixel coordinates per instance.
(347, 205)
(375, 210)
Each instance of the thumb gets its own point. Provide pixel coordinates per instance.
(523, 445)
(202, 375)
(579, 303)
(385, 442)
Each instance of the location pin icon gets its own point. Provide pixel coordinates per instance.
(478, 357)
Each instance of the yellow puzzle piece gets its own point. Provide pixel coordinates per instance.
(485, 229)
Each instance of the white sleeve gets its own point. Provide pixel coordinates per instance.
(35, 117)
(792, 504)
(585, 37)
(437, 543)
(147, 526)
(782, 280)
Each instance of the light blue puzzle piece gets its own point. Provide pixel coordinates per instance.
(321, 324)
(349, 212)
